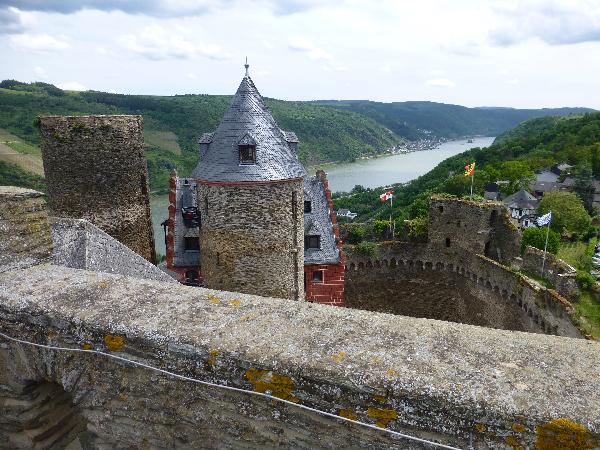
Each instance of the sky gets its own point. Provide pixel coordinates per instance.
(524, 54)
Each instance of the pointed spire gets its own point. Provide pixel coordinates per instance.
(246, 66)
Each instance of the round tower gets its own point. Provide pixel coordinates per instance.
(250, 199)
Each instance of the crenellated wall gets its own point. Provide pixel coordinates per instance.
(453, 276)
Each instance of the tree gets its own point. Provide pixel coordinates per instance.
(536, 237)
(568, 213)
(584, 184)
(517, 173)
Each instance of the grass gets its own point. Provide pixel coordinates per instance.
(23, 147)
(543, 281)
(577, 254)
(166, 140)
(588, 309)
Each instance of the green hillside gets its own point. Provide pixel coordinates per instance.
(326, 134)
(418, 120)
(514, 156)
(328, 131)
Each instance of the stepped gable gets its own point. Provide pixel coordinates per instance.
(248, 121)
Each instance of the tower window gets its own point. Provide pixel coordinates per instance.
(247, 154)
(307, 206)
(191, 244)
(312, 241)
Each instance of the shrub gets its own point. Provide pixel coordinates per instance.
(356, 233)
(367, 248)
(380, 227)
(417, 228)
(536, 237)
(585, 280)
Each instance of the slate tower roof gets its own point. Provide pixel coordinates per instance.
(248, 122)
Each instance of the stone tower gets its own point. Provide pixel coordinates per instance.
(96, 170)
(250, 199)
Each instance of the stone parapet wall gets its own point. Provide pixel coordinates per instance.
(456, 384)
(559, 273)
(81, 245)
(249, 239)
(24, 230)
(452, 284)
(96, 170)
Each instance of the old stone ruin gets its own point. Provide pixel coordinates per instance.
(100, 349)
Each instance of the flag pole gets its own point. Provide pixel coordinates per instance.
(545, 248)
(391, 207)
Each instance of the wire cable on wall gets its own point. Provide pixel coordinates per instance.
(231, 388)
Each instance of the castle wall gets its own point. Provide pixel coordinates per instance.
(24, 229)
(482, 228)
(421, 280)
(252, 237)
(96, 170)
(451, 383)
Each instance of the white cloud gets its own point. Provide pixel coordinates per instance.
(157, 43)
(192, 76)
(300, 44)
(72, 86)
(555, 22)
(512, 81)
(40, 72)
(440, 82)
(42, 43)
(11, 21)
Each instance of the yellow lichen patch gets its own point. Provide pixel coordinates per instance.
(480, 428)
(279, 386)
(564, 434)
(383, 416)
(113, 342)
(246, 318)
(380, 398)
(348, 413)
(212, 357)
(391, 373)
(52, 334)
(235, 302)
(339, 357)
(103, 284)
(513, 442)
(518, 428)
(87, 346)
(122, 397)
(213, 299)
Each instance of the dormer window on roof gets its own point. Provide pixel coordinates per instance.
(247, 154)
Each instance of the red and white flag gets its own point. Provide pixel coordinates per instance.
(386, 196)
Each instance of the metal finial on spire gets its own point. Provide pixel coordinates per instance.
(246, 66)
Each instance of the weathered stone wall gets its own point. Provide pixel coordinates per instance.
(422, 280)
(81, 245)
(252, 237)
(558, 272)
(451, 383)
(483, 228)
(96, 170)
(24, 230)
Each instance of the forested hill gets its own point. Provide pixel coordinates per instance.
(418, 120)
(514, 156)
(328, 131)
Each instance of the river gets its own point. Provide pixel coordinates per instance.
(373, 172)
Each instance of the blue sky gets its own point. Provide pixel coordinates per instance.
(476, 53)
